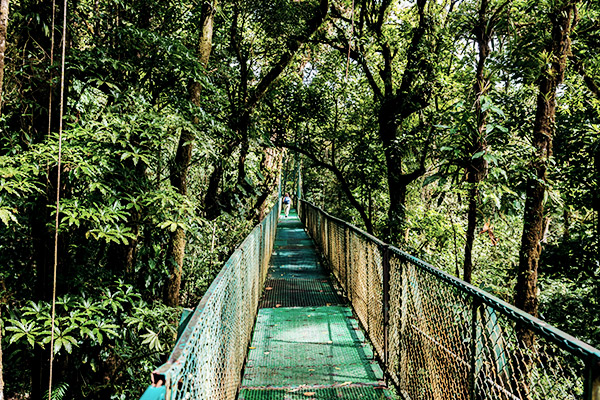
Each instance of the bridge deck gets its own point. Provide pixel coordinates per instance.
(306, 342)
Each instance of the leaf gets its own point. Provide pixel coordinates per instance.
(490, 159)
(152, 340)
(15, 337)
(57, 345)
(430, 179)
(497, 110)
(6, 216)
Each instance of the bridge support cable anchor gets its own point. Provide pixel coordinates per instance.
(348, 265)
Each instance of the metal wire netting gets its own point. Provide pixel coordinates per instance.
(207, 360)
(441, 338)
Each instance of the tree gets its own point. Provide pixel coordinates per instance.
(244, 97)
(553, 70)
(476, 167)
(400, 95)
(329, 123)
(183, 158)
(585, 61)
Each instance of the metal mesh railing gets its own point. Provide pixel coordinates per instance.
(208, 357)
(441, 338)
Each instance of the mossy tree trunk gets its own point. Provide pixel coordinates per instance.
(183, 158)
(526, 297)
(543, 130)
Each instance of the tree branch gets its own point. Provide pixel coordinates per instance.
(381, 16)
(588, 80)
(359, 58)
(284, 60)
(339, 176)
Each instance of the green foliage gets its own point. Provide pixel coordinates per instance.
(89, 326)
(59, 392)
(567, 303)
(436, 208)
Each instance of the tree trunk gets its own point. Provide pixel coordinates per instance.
(211, 198)
(270, 167)
(242, 131)
(477, 167)
(543, 129)
(183, 159)
(525, 291)
(397, 180)
(470, 237)
(3, 27)
(397, 191)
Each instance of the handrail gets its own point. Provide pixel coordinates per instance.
(208, 357)
(436, 334)
(560, 338)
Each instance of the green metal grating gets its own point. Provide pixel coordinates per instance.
(306, 336)
(333, 393)
(306, 342)
(298, 293)
(299, 272)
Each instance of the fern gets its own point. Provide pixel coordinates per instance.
(59, 391)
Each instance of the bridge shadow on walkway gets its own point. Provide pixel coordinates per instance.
(306, 342)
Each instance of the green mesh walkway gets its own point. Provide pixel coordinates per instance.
(306, 342)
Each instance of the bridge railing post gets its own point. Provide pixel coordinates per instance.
(385, 250)
(348, 264)
(474, 347)
(261, 256)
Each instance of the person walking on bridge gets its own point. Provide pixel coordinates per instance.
(287, 203)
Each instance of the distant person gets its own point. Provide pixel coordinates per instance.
(287, 203)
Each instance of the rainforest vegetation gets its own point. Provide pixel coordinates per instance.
(466, 132)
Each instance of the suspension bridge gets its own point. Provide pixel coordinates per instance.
(338, 314)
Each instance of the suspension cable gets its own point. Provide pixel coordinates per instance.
(60, 129)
